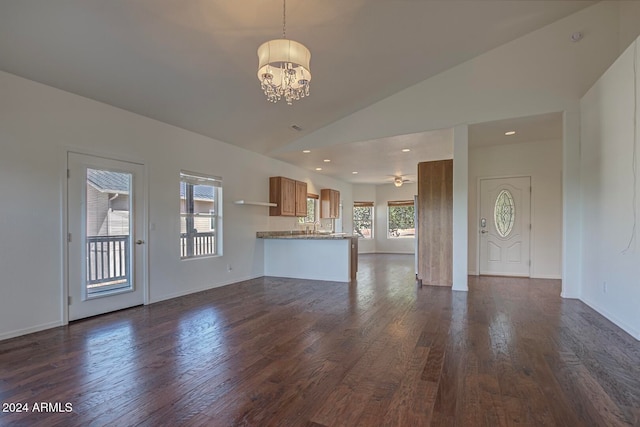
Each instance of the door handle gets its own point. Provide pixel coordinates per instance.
(139, 242)
(483, 231)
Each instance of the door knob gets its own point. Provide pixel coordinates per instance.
(139, 242)
(483, 231)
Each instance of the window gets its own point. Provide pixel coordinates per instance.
(363, 219)
(504, 213)
(200, 215)
(312, 203)
(400, 214)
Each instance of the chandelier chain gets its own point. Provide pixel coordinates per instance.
(284, 19)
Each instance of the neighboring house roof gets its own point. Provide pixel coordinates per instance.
(108, 182)
(117, 182)
(200, 192)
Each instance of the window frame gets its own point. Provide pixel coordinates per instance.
(396, 204)
(315, 198)
(371, 207)
(214, 213)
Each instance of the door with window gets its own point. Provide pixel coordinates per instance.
(505, 226)
(106, 245)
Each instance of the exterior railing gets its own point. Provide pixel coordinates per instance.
(197, 244)
(107, 259)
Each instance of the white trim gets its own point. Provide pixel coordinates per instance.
(531, 210)
(64, 232)
(30, 330)
(635, 333)
(144, 228)
(547, 276)
(390, 252)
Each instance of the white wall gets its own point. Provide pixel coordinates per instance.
(609, 189)
(542, 160)
(39, 123)
(380, 195)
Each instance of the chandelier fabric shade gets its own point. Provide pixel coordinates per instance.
(283, 70)
(283, 67)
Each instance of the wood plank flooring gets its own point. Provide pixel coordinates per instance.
(378, 352)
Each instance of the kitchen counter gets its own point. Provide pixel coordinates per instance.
(331, 257)
(301, 235)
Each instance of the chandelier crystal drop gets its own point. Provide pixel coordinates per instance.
(283, 67)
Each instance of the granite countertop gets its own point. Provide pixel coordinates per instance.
(301, 235)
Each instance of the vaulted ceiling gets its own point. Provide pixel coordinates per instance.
(193, 63)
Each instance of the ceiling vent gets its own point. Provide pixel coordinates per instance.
(296, 128)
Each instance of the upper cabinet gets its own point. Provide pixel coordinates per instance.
(301, 198)
(329, 203)
(290, 196)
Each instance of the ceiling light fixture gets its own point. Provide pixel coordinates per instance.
(355, 172)
(306, 151)
(283, 67)
(511, 132)
(405, 150)
(318, 169)
(326, 160)
(397, 181)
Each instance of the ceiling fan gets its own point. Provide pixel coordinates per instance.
(398, 181)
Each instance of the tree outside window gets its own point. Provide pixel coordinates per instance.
(312, 203)
(363, 220)
(401, 220)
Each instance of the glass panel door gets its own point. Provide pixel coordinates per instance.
(106, 242)
(108, 231)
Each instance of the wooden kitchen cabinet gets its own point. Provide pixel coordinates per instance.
(301, 198)
(329, 203)
(290, 196)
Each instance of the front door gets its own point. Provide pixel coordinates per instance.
(505, 226)
(106, 235)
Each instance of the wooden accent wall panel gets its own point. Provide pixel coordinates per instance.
(435, 223)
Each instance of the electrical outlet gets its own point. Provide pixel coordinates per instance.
(229, 268)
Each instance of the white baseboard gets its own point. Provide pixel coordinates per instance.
(30, 330)
(547, 276)
(472, 273)
(621, 324)
(203, 288)
(393, 253)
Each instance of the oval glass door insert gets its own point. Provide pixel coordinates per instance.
(504, 213)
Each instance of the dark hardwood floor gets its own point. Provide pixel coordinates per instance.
(379, 352)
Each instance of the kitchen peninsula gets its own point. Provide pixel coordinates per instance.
(331, 257)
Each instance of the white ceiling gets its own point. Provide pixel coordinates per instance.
(192, 63)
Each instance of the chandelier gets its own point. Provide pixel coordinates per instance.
(283, 67)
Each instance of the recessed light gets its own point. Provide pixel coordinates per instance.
(355, 172)
(318, 169)
(511, 132)
(306, 151)
(405, 150)
(326, 160)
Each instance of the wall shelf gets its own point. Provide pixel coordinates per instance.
(248, 202)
